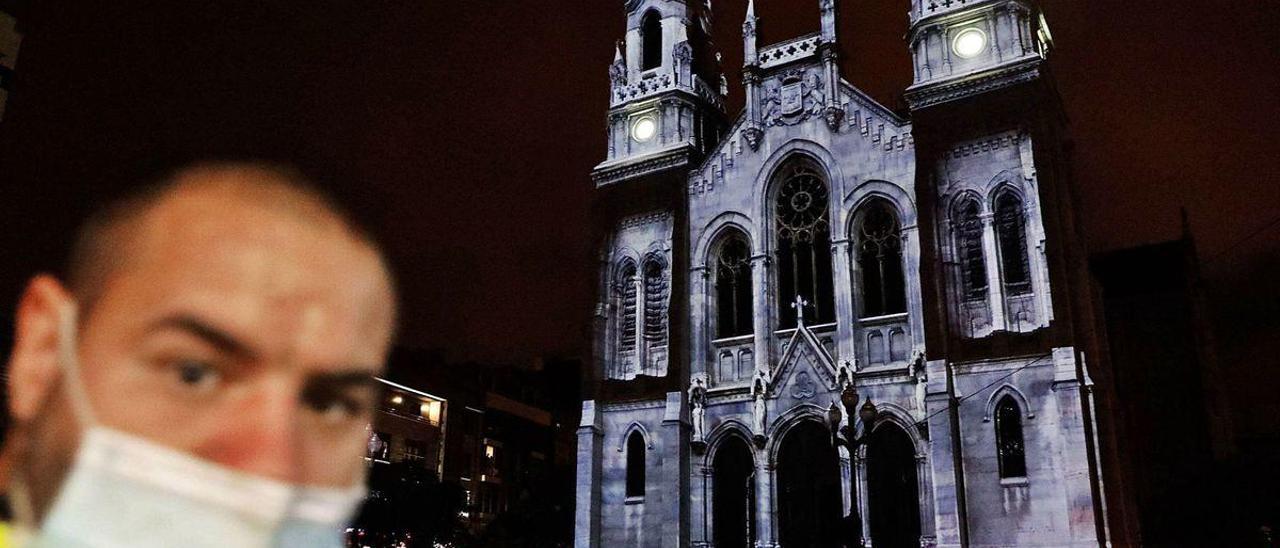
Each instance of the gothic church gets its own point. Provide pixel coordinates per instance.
(824, 323)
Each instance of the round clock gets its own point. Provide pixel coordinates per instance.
(644, 128)
(969, 43)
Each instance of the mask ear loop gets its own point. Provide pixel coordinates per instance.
(69, 358)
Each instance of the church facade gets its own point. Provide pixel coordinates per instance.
(822, 322)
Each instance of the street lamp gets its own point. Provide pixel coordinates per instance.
(849, 439)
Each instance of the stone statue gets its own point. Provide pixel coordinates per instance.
(698, 401)
(759, 390)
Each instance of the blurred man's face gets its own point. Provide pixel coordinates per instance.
(241, 334)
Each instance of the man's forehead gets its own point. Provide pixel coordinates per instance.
(256, 255)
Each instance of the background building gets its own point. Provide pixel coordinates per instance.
(756, 269)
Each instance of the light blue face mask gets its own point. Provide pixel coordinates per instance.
(124, 491)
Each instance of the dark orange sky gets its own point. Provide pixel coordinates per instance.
(467, 129)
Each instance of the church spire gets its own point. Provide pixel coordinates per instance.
(749, 36)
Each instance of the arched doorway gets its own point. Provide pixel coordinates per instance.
(894, 502)
(809, 488)
(733, 497)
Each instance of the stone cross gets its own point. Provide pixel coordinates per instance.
(799, 305)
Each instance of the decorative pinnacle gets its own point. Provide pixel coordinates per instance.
(617, 51)
(751, 10)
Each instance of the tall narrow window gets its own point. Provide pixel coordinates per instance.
(655, 303)
(1013, 459)
(627, 319)
(651, 38)
(804, 245)
(879, 240)
(733, 288)
(1012, 237)
(635, 465)
(973, 268)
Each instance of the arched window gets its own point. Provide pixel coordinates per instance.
(733, 288)
(1013, 459)
(973, 268)
(1011, 235)
(804, 244)
(879, 246)
(655, 303)
(651, 38)
(627, 319)
(635, 465)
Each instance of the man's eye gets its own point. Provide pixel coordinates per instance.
(196, 374)
(336, 409)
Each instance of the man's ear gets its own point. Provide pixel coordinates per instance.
(33, 365)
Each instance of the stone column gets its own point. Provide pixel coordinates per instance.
(589, 474)
(642, 347)
(843, 282)
(1074, 465)
(911, 271)
(675, 472)
(761, 326)
(701, 498)
(925, 489)
(698, 320)
(766, 514)
(991, 257)
(945, 497)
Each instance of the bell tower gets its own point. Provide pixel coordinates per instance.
(963, 48)
(666, 96)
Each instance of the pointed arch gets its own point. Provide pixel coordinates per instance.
(891, 413)
(635, 428)
(715, 229)
(804, 412)
(731, 428)
(650, 40)
(1010, 391)
(872, 189)
(766, 184)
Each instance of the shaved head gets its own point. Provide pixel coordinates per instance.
(231, 311)
(109, 240)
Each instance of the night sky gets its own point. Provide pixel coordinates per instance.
(466, 132)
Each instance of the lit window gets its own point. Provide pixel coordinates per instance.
(430, 411)
(970, 42)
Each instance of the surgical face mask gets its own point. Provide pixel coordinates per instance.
(126, 491)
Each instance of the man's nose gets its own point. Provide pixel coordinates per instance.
(262, 437)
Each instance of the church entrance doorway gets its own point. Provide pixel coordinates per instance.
(733, 497)
(809, 488)
(893, 503)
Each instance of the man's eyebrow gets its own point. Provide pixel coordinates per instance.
(224, 341)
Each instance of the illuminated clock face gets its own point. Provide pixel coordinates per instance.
(970, 42)
(644, 128)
